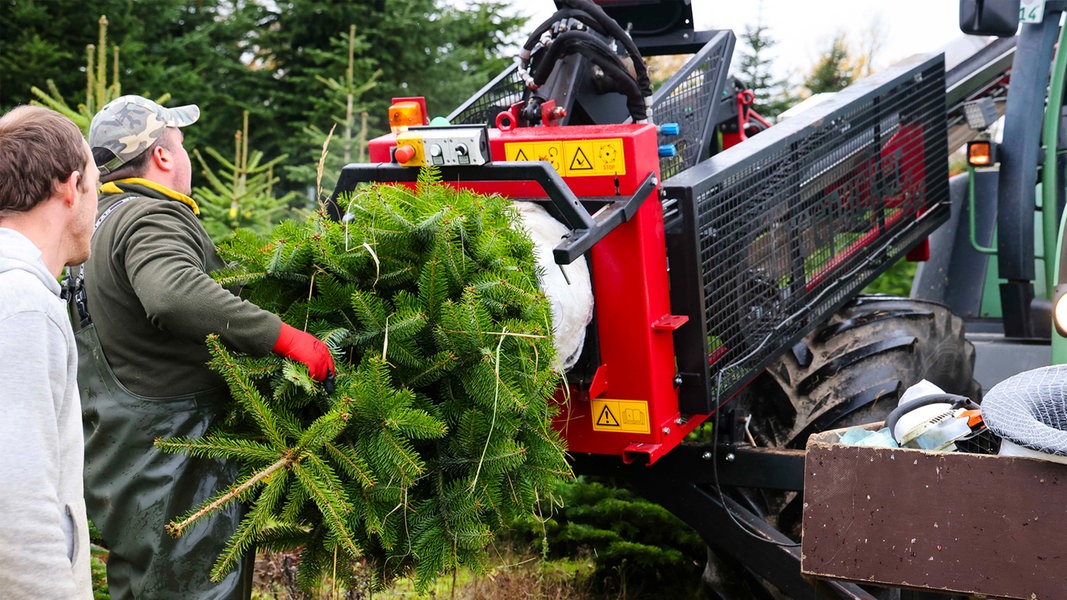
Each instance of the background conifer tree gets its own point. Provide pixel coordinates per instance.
(243, 196)
(772, 95)
(340, 137)
(835, 69)
(98, 91)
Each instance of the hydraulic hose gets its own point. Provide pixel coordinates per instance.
(567, 13)
(597, 51)
(616, 31)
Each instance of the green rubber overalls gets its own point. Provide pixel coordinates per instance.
(132, 489)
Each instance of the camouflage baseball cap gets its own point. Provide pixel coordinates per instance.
(128, 125)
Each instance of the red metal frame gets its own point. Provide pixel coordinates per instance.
(630, 283)
(746, 119)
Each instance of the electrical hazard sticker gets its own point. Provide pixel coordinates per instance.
(573, 158)
(630, 416)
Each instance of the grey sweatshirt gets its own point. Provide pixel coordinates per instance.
(44, 534)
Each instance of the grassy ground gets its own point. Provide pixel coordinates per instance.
(525, 579)
(515, 577)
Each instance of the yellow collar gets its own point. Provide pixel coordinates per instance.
(112, 187)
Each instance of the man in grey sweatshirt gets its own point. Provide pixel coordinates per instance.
(48, 199)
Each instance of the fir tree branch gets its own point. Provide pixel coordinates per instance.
(250, 527)
(243, 391)
(176, 529)
(331, 505)
(215, 446)
(351, 464)
(405, 459)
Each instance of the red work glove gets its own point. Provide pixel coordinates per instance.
(306, 348)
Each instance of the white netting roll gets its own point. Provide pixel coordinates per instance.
(1030, 409)
(571, 295)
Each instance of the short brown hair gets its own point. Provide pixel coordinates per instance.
(135, 167)
(39, 150)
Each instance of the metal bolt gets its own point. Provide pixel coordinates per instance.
(730, 457)
(677, 381)
(706, 456)
(666, 431)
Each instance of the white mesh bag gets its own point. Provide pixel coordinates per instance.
(568, 287)
(1030, 410)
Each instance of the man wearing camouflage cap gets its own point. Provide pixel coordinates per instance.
(143, 371)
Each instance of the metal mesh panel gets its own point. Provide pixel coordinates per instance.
(690, 98)
(482, 108)
(775, 234)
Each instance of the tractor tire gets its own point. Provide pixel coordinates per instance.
(854, 368)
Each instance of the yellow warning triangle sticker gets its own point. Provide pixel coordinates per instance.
(521, 155)
(606, 419)
(580, 162)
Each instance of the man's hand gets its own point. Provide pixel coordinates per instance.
(306, 348)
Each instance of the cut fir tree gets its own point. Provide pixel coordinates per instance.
(438, 431)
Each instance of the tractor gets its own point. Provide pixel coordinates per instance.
(726, 256)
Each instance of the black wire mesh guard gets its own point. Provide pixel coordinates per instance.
(770, 237)
(482, 108)
(697, 100)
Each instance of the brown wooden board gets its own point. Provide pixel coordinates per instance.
(967, 523)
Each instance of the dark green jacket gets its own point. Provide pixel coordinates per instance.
(152, 298)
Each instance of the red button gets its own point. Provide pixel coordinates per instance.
(404, 153)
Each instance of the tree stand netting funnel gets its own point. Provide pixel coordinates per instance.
(1029, 411)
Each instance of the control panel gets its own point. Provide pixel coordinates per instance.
(442, 146)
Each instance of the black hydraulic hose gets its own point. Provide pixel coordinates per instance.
(616, 30)
(568, 43)
(597, 51)
(568, 13)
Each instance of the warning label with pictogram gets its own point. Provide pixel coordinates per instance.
(630, 416)
(573, 158)
(579, 161)
(550, 151)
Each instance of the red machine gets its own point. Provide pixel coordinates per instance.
(630, 407)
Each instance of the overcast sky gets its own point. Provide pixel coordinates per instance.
(804, 29)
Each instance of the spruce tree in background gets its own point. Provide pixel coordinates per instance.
(443, 51)
(772, 96)
(834, 71)
(243, 197)
(98, 91)
(340, 136)
(260, 56)
(438, 432)
(193, 49)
